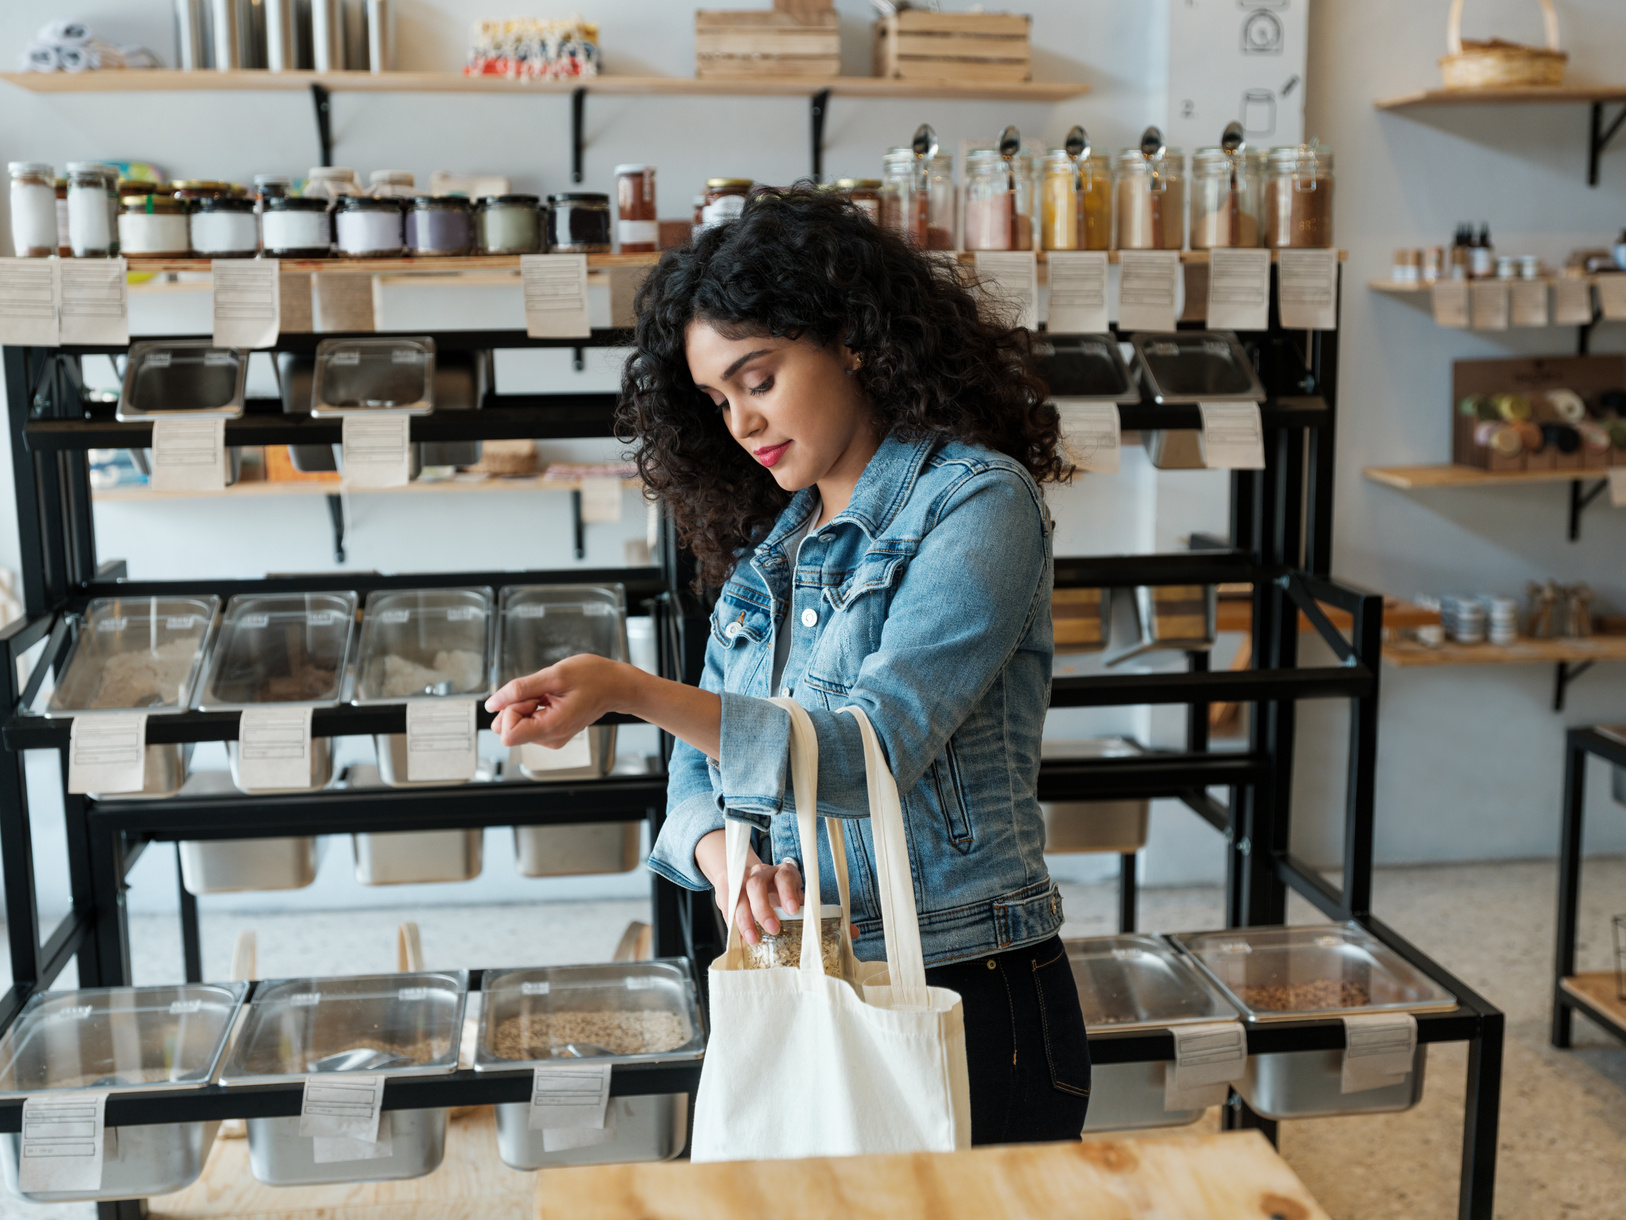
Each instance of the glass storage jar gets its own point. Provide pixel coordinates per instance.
(724, 201)
(1149, 200)
(366, 226)
(267, 186)
(439, 225)
(224, 226)
(331, 182)
(864, 194)
(1298, 197)
(392, 184)
(154, 225)
(91, 205)
(33, 209)
(1077, 203)
(637, 221)
(579, 223)
(294, 226)
(998, 201)
(919, 201)
(64, 244)
(508, 224)
(1225, 190)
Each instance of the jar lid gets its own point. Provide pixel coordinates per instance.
(153, 203)
(632, 168)
(200, 184)
(448, 203)
(223, 203)
(332, 173)
(587, 197)
(1294, 156)
(486, 201)
(858, 184)
(718, 184)
(91, 167)
(391, 177)
(905, 156)
(31, 167)
(272, 180)
(295, 203)
(368, 203)
(1215, 156)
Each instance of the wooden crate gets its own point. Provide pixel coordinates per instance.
(920, 45)
(766, 44)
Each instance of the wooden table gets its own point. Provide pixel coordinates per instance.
(1235, 1176)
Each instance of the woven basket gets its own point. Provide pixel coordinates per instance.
(1500, 65)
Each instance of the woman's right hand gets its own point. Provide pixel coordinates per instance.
(766, 886)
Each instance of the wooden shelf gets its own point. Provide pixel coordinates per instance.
(389, 266)
(328, 487)
(1406, 654)
(1425, 478)
(1397, 288)
(164, 79)
(1236, 614)
(1598, 992)
(1506, 97)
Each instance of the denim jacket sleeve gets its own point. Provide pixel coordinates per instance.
(958, 614)
(692, 807)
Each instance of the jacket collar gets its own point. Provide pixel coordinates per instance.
(882, 490)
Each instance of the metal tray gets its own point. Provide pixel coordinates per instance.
(183, 377)
(1084, 368)
(321, 768)
(413, 856)
(280, 1156)
(1197, 366)
(364, 376)
(140, 653)
(570, 851)
(1084, 826)
(1174, 448)
(272, 638)
(164, 775)
(232, 866)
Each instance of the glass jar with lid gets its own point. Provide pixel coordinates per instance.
(1298, 197)
(33, 209)
(295, 226)
(863, 193)
(154, 226)
(91, 206)
(224, 226)
(268, 185)
(918, 199)
(1225, 191)
(1077, 202)
(724, 201)
(508, 224)
(999, 198)
(439, 225)
(579, 223)
(392, 184)
(368, 226)
(1149, 200)
(638, 226)
(331, 182)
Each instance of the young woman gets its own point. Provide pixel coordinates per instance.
(854, 455)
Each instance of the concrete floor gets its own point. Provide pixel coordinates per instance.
(1563, 1127)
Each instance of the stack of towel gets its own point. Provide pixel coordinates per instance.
(69, 46)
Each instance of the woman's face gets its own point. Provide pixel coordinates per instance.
(793, 405)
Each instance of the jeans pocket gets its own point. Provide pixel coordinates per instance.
(1066, 1045)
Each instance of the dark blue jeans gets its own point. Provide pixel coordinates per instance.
(1026, 1051)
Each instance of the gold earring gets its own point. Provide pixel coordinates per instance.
(858, 361)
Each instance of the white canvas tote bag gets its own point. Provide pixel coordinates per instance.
(802, 1064)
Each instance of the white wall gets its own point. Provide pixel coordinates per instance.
(1469, 764)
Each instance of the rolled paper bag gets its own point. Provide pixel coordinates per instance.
(65, 33)
(75, 59)
(41, 57)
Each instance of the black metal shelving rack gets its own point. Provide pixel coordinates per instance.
(1281, 530)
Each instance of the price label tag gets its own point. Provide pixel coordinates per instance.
(1451, 304)
(342, 1105)
(107, 752)
(1612, 295)
(1238, 289)
(1528, 302)
(601, 499)
(1010, 286)
(247, 301)
(1572, 301)
(1091, 435)
(1617, 487)
(1307, 288)
(376, 450)
(1207, 1058)
(1146, 288)
(274, 748)
(569, 1094)
(1378, 1050)
(95, 301)
(1490, 304)
(62, 1142)
(188, 454)
(624, 285)
(577, 752)
(440, 739)
(30, 293)
(1078, 292)
(555, 287)
(1233, 436)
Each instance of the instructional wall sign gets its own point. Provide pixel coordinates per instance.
(1237, 60)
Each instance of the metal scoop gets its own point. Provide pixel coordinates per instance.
(361, 1059)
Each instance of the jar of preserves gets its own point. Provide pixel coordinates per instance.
(508, 224)
(439, 225)
(295, 226)
(998, 201)
(724, 201)
(1149, 199)
(33, 209)
(366, 226)
(91, 225)
(638, 226)
(224, 226)
(1077, 203)
(1298, 197)
(918, 200)
(579, 223)
(154, 225)
(863, 193)
(1225, 194)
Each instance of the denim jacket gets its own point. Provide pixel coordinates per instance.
(926, 602)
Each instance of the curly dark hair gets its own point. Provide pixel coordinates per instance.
(803, 263)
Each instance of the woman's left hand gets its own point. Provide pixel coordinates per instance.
(551, 706)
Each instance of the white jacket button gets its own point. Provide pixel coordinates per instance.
(810, 617)
(732, 630)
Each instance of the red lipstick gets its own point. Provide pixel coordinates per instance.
(772, 453)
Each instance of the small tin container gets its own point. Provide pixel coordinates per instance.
(579, 223)
(368, 226)
(296, 226)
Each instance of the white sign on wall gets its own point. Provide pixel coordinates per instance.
(1240, 60)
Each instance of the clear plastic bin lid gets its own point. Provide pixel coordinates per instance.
(183, 376)
(395, 1024)
(119, 1038)
(1141, 982)
(1198, 366)
(419, 643)
(1317, 971)
(281, 648)
(539, 625)
(637, 1012)
(357, 376)
(135, 654)
(1086, 367)
(1090, 747)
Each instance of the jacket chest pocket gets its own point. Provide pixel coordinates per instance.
(743, 630)
(857, 610)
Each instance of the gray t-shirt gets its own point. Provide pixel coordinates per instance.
(781, 643)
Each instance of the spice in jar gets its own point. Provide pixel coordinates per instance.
(64, 243)
(439, 225)
(294, 226)
(33, 210)
(918, 198)
(724, 201)
(998, 201)
(579, 223)
(154, 225)
(1298, 198)
(637, 222)
(863, 193)
(90, 223)
(1077, 203)
(1150, 196)
(365, 226)
(224, 227)
(785, 949)
(1225, 189)
(508, 224)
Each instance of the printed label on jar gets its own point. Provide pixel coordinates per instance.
(870, 208)
(723, 210)
(639, 232)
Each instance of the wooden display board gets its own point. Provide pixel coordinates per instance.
(1532, 376)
